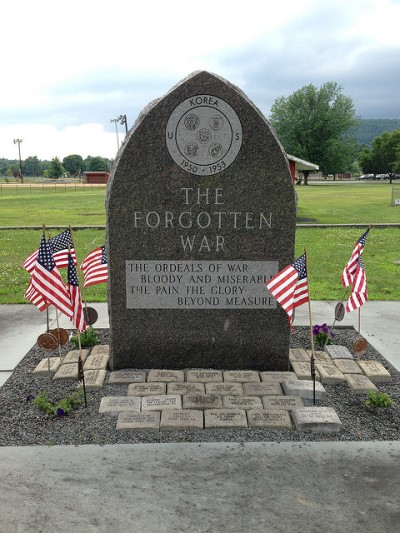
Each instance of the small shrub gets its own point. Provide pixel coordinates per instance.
(88, 338)
(58, 408)
(378, 399)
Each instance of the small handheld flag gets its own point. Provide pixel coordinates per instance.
(351, 266)
(290, 286)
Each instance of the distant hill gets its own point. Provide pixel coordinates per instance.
(368, 128)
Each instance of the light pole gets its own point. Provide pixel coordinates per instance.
(115, 120)
(19, 141)
(122, 120)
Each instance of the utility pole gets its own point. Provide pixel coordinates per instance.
(122, 120)
(19, 141)
(115, 120)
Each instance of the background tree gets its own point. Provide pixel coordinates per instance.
(97, 164)
(56, 170)
(32, 166)
(383, 156)
(314, 124)
(73, 164)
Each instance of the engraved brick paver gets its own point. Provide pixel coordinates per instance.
(185, 388)
(330, 373)
(73, 356)
(202, 401)
(147, 389)
(204, 376)
(165, 375)
(285, 403)
(303, 371)
(43, 367)
(304, 389)
(159, 403)
(265, 388)
(96, 361)
(113, 405)
(241, 402)
(242, 376)
(149, 421)
(94, 379)
(100, 349)
(277, 377)
(299, 355)
(359, 383)
(269, 419)
(321, 358)
(347, 366)
(375, 371)
(336, 351)
(175, 420)
(225, 389)
(227, 418)
(69, 371)
(127, 375)
(316, 419)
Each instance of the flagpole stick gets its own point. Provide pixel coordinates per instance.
(81, 362)
(311, 331)
(58, 336)
(334, 322)
(78, 271)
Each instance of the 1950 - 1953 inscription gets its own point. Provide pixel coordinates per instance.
(156, 284)
(204, 135)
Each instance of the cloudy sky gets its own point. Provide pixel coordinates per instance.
(70, 67)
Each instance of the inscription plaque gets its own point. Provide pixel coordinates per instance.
(199, 284)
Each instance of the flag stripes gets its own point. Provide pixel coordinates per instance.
(95, 267)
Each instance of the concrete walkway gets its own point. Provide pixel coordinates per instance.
(267, 487)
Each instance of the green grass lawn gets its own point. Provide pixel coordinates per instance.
(328, 249)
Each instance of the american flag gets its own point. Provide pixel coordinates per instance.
(46, 279)
(59, 247)
(95, 267)
(290, 286)
(78, 318)
(359, 293)
(33, 296)
(350, 269)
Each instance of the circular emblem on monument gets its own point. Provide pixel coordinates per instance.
(360, 346)
(204, 135)
(339, 311)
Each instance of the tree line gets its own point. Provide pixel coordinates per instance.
(315, 124)
(71, 166)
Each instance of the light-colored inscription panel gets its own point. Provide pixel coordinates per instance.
(199, 284)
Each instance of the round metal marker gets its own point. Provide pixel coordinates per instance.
(91, 315)
(61, 335)
(339, 311)
(360, 346)
(47, 342)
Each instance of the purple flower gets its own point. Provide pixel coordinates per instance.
(324, 328)
(60, 412)
(316, 330)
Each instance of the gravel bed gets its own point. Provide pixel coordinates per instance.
(23, 424)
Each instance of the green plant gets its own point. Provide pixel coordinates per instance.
(322, 335)
(378, 399)
(88, 338)
(59, 407)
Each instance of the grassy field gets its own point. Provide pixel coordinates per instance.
(328, 249)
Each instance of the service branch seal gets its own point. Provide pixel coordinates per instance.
(204, 135)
